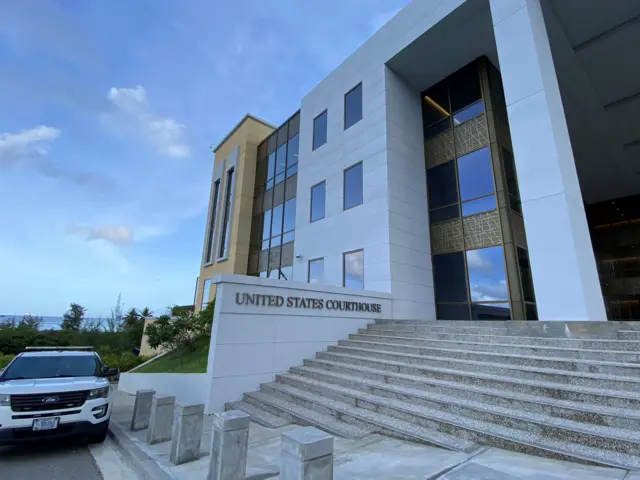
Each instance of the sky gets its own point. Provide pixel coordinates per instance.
(108, 110)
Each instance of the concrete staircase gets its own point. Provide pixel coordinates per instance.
(464, 385)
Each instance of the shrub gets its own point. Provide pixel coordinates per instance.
(123, 361)
(5, 359)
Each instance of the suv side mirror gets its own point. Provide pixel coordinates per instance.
(109, 372)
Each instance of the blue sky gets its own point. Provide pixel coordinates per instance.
(107, 112)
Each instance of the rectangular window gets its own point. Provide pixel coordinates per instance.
(316, 271)
(222, 252)
(292, 155)
(353, 269)
(353, 106)
(206, 288)
(320, 130)
(353, 186)
(289, 222)
(212, 223)
(317, 201)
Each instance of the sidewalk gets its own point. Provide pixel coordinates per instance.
(374, 457)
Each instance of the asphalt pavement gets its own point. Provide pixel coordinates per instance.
(59, 460)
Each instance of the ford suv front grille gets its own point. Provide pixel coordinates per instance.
(48, 401)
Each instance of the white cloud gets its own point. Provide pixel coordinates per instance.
(476, 260)
(354, 264)
(33, 141)
(381, 18)
(165, 134)
(117, 234)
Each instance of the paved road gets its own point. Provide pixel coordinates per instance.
(61, 460)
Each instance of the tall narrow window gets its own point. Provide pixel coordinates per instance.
(353, 269)
(317, 201)
(353, 186)
(212, 223)
(353, 106)
(206, 288)
(227, 213)
(320, 130)
(316, 271)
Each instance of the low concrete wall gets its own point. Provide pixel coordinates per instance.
(186, 387)
(251, 343)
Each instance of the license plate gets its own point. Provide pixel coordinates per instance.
(46, 423)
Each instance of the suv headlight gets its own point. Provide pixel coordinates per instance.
(98, 393)
(5, 400)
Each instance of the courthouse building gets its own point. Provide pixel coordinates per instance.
(475, 159)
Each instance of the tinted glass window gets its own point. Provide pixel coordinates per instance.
(487, 279)
(276, 221)
(452, 311)
(320, 130)
(353, 276)
(441, 183)
(227, 214)
(353, 186)
(483, 204)
(437, 129)
(468, 113)
(288, 237)
(353, 107)
(317, 202)
(435, 104)
(465, 87)
(271, 166)
(292, 151)
(525, 275)
(53, 367)
(289, 215)
(286, 273)
(443, 214)
(510, 173)
(266, 226)
(474, 174)
(206, 287)
(316, 271)
(281, 159)
(449, 277)
(490, 311)
(531, 311)
(212, 222)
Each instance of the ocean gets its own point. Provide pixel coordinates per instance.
(47, 323)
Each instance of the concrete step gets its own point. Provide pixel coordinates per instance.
(597, 436)
(597, 414)
(473, 430)
(590, 366)
(595, 380)
(380, 423)
(306, 417)
(435, 328)
(258, 415)
(417, 375)
(535, 350)
(567, 343)
(629, 335)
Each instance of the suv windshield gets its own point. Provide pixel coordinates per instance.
(52, 367)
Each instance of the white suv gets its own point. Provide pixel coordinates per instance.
(55, 392)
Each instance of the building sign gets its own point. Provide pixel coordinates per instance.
(261, 300)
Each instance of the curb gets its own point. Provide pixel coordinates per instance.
(142, 463)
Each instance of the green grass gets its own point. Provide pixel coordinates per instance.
(180, 361)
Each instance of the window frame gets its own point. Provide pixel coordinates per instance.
(344, 120)
(309, 269)
(344, 186)
(324, 214)
(344, 270)
(210, 249)
(206, 287)
(313, 138)
(223, 248)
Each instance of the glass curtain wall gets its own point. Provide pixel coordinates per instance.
(274, 204)
(474, 268)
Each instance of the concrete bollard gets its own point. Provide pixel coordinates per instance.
(142, 409)
(307, 454)
(161, 419)
(187, 433)
(229, 444)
